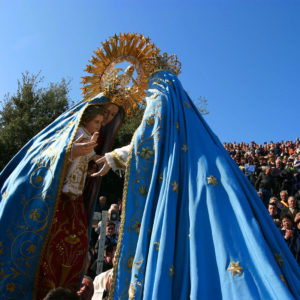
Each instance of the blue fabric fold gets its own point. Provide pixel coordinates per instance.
(193, 225)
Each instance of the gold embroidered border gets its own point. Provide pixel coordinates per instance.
(118, 160)
(61, 181)
(123, 216)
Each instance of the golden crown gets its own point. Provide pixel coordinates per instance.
(163, 62)
(117, 84)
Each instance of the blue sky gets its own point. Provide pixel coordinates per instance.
(242, 55)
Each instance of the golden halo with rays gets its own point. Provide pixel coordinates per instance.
(131, 47)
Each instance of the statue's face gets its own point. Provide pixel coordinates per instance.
(111, 111)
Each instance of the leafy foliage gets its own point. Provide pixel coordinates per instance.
(27, 112)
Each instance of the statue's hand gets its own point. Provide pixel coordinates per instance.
(105, 168)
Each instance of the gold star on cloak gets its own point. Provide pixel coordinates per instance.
(157, 245)
(279, 259)
(184, 148)
(212, 180)
(177, 126)
(171, 270)
(175, 186)
(235, 268)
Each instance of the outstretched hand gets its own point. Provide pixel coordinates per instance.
(80, 149)
(105, 168)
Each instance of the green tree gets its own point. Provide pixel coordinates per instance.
(27, 112)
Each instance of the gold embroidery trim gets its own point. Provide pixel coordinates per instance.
(122, 224)
(118, 160)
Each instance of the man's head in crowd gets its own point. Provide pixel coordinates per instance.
(109, 253)
(272, 209)
(292, 202)
(110, 229)
(283, 196)
(286, 222)
(102, 201)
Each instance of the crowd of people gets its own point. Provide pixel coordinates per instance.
(274, 171)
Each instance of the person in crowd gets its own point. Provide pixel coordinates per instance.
(288, 178)
(61, 294)
(102, 203)
(296, 246)
(114, 217)
(102, 283)
(283, 199)
(287, 230)
(265, 184)
(292, 208)
(109, 252)
(111, 237)
(86, 290)
(274, 214)
(276, 174)
(274, 200)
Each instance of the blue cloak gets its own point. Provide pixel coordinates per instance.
(193, 226)
(30, 185)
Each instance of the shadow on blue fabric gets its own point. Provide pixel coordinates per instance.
(193, 226)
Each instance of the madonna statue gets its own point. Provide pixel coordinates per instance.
(192, 226)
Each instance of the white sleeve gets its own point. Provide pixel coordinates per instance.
(117, 159)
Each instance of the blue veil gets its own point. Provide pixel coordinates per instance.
(193, 226)
(30, 185)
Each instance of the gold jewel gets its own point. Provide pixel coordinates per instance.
(122, 89)
(212, 180)
(163, 62)
(235, 268)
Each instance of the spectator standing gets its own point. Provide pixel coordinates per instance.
(283, 199)
(274, 214)
(265, 184)
(287, 230)
(292, 208)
